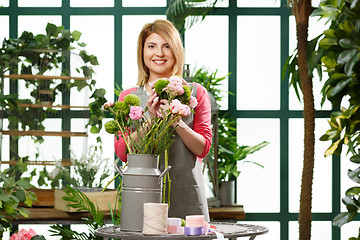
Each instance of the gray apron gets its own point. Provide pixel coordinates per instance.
(188, 196)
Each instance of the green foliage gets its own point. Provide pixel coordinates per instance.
(159, 136)
(230, 154)
(95, 220)
(179, 10)
(89, 170)
(37, 54)
(338, 52)
(13, 192)
(210, 82)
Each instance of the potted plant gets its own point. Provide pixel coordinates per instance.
(87, 174)
(231, 158)
(338, 53)
(230, 154)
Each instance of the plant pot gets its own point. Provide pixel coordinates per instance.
(101, 199)
(227, 193)
(141, 184)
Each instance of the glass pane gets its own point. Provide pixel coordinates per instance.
(131, 28)
(39, 3)
(211, 34)
(37, 24)
(349, 230)
(248, 182)
(258, 3)
(144, 3)
(4, 3)
(322, 183)
(258, 63)
(273, 233)
(316, 27)
(4, 23)
(319, 230)
(91, 3)
(315, 3)
(98, 34)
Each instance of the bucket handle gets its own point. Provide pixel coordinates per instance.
(164, 172)
(119, 169)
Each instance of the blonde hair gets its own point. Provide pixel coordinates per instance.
(167, 31)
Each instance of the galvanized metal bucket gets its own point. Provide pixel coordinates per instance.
(141, 183)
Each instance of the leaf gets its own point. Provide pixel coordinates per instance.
(353, 191)
(355, 158)
(349, 66)
(346, 55)
(343, 218)
(51, 30)
(38, 237)
(354, 175)
(76, 35)
(347, 43)
(327, 42)
(332, 148)
(24, 183)
(340, 86)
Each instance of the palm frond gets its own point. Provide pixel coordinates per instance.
(196, 10)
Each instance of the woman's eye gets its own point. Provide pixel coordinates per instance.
(151, 46)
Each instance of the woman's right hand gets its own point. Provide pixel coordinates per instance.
(153, 104)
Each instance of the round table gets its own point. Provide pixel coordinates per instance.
(230, 230)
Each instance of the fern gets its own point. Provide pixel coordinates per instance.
(80, 202)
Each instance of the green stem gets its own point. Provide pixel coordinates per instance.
(121, 130)
(164, 131)
(153, 134)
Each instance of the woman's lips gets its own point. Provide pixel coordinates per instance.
(159, 62)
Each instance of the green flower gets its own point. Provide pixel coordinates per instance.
(185, 97)
(159, 86)
(131, 100)
(111, 127)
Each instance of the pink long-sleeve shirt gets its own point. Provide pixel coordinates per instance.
(201, 124)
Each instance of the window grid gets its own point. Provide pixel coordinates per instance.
(284, 217)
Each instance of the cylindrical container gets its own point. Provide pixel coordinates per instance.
(141, 184)
(155, 218)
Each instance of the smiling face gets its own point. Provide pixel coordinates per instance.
(158, 57)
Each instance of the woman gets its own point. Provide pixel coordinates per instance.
(161, 54)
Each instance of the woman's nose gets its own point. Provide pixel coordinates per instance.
(160, 52)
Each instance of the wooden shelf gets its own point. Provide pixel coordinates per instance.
(50, 215)
(41, 105)
(43, 77)
(65, 162)
(40, 133)
(235, 212)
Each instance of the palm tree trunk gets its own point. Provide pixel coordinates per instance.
(301, 10)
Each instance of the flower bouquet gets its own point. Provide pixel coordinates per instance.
(153, 136)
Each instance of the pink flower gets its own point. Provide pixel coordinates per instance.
(107, 105)
(23, 235)
(184, 110)
(193, 102)
(176, 79)
(136, 112)
(175, 89)
(174, 106)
